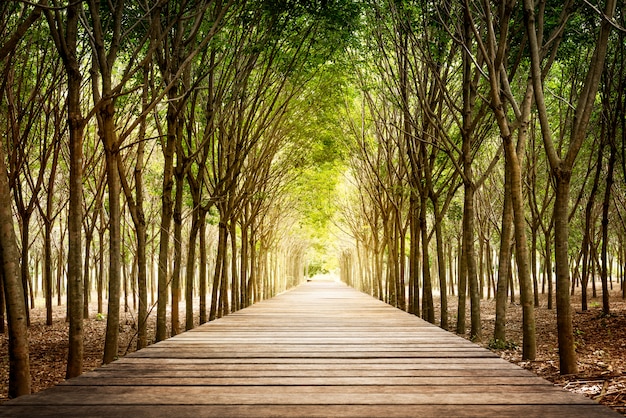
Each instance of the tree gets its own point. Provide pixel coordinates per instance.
(179, 41)
(135, 205)
(561, 165)
(494, 50)
(19, 363)
(10, 271)
(64, 32)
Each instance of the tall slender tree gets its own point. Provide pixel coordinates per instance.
(64, 29)
(562, 165)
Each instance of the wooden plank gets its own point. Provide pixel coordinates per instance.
(197, 354)
(311, 347)
(389, 363)
(322, 350)
(256, 371)
(311, 395)
(277, 380)
(313, 411)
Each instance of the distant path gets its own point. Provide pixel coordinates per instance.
(321, 350)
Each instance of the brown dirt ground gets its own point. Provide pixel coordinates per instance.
(600, 345)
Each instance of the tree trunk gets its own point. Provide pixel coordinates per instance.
(234, 295)
(605, 228)
(549, 269)
(100, 281)
(2, 303)
(533, 265)
(414, 299)
(590, 227)
(191, 262)
(19, 363)
(203, 268)
(567, 354)
(221, 254)
(178, 236)
(59, 274)
(75, 221)
(142, 279)
(48, 269)
(65, 35)
(115, 248)
(470, 260)
(244, 261)
(86, 273)
(253, 279)
(468, 268)
(224, 306)
(24, 262)
(428, 308)
(529, 348)
(441, 264)
(462, 286)
(166, 217)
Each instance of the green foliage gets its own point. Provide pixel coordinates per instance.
(314, 193)
(317, 267)
(502, 345)
(579, 338)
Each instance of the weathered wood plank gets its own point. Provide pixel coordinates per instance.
(320, 350)
(311, 395)
(331, 363)
(196, 354)
(294, 370)
(277, 380)
(313, 411)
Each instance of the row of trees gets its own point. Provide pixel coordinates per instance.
(497, 125)
(178, 150)
(149, 146)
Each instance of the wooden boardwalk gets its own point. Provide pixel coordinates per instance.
(320, 350)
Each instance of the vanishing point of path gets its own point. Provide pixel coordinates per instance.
(322, 350)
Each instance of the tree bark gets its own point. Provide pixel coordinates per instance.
(178, 236)
(428, 308)
(235, 288)
(441, 264)
(115, 248)
(19, 362)
(462, 286)
(567, 353)
(529, 348)
(75, 217)
(221, 254)
(606, 309)
(590, 228)
(203, 268)
(166, 217)
(191, 263)
(504, 262)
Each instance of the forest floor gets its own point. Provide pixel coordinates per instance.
(600, 345)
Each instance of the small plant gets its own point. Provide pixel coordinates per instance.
(579, 341)
(502, 345)
(100, 317)
(594, 304)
